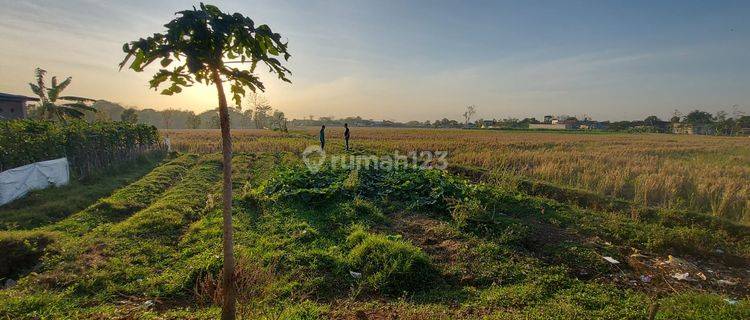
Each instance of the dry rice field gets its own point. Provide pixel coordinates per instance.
(699, 173)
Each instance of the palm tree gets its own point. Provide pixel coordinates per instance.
(52, 105)
(200, 40)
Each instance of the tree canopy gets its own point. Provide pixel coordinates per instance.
(199, 41)
(651, 120)
(129, 115)
(698, 117)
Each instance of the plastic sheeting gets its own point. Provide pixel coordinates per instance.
(17, 182)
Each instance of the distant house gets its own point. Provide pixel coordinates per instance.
(687, 128)
(551, 126)
(592, 125)
(572, 122)
(14, 106)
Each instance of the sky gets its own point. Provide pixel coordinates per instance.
(418, 60)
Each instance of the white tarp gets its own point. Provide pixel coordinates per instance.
(17, 182)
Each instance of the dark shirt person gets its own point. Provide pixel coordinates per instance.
(346, 135)
(323, 137)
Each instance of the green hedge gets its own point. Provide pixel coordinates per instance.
(88, 146)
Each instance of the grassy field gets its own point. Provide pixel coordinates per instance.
(41, 207)
(387, 244)
(704, 174)
(244, 140)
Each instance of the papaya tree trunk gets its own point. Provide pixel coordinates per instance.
(228, 307)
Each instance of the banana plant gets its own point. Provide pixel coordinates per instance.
(54, 106)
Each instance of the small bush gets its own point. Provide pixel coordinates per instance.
(323, 272)
(388, 265)
(470, 214)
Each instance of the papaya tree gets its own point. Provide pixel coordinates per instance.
(199, 46)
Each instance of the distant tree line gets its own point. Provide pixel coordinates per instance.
(721, 123)
(259, 116)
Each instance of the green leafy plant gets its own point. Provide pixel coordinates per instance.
(54, 106)
(411, 188)
(88, 146)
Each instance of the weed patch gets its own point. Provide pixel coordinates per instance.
(388, 264)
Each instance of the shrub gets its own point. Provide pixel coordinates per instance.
(298, 183)
(411, 188)
(472, 214)
(387, 264)
(88, 146)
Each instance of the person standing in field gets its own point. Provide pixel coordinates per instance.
(346, 136)
(323, 137)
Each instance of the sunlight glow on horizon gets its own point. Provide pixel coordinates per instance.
(413, 61)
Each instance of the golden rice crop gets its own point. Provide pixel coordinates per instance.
(702, 173)
(243, 140)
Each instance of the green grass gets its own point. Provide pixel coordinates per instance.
(21, 250)
(427, 245)
(47, 206)
(131, 254)
(663, 230)
(388, 264)
(127, 200)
